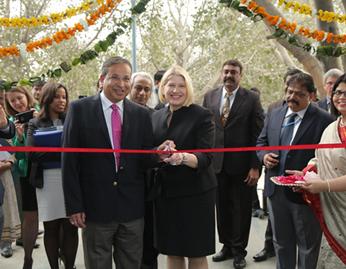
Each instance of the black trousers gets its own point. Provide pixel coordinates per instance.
(150, 253)
(234, 207)
(268, 243)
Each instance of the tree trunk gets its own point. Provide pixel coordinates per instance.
(311, 64)
(328, 62)
(343, 58)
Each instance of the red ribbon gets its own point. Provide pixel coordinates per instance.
(144, 151)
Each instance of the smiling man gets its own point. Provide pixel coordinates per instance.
(141, 88)
(293, 222)
(104, 192)
(238, 116)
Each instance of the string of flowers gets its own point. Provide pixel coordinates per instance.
(49, 19)
(86, 56)
(305, 9)
(292, 27)
(313, 49)
(59, 36)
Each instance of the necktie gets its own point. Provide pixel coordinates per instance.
(285, 139)
(116, 131)
(225, 109)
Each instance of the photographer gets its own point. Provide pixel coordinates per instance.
(19, 100)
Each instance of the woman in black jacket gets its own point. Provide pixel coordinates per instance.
(185, 207)
(46, 174)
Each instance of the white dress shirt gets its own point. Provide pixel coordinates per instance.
(298, 120)
(107, 112)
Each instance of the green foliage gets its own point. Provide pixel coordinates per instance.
(215, 34)
(199, 35)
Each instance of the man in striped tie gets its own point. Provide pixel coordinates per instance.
(293, 223)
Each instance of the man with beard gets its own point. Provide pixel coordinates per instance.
(238, 116)
(293, 222)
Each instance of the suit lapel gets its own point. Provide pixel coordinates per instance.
(305, 124)
(237, 102)
(215, 106)
(125, 131)
(102, 122)
(280, 116)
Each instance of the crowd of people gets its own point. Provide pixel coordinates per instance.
(132, 207)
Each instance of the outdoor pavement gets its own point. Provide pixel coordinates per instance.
(255, 245)
(256, 241)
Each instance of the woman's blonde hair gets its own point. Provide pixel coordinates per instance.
(31, 101)
(177, 70)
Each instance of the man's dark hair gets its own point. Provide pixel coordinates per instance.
(234, 62)
(158, 75)
(39, 83)
(112, 61)
(304, 80)
(341, 79)
(291, 72)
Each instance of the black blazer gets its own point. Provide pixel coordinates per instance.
(36, 159)
(242, 128)
(91, 183)
(190, 128)
(309, 132)
(323, 104)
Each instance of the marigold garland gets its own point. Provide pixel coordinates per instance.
(292, 27)
(48, 19)
(86, 56)
(313, 49)
(305, 9)
(61, 35)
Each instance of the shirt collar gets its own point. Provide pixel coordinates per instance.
(224, 91)
(300, 113)
(106, 103)
(328, 99)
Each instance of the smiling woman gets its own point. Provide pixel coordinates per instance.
(187, 197)
(46, 170)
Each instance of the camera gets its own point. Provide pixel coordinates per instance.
(24, 117)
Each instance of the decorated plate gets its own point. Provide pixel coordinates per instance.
(289, 181)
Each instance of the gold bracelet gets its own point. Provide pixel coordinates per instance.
(328, 185)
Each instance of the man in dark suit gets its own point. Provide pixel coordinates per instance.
(268, 250)
(104, 192)
(293, 222)
(329, 80)
(238, 118)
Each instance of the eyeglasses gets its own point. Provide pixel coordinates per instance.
(339, 93)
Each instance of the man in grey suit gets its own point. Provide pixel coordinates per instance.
(293, 222)
(329, 80)
(238, 116)
(104, 192)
